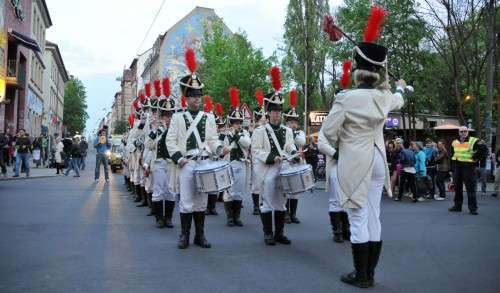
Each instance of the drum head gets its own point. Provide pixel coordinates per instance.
(210, 165)
(295, 169)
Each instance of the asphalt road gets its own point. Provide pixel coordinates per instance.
(66, 234)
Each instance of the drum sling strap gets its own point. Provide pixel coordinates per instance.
(193, 128)
(275, 140)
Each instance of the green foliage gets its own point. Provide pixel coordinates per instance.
(231, 60)
(120, 127)
(75, 106)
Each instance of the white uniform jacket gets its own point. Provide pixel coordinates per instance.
(355, 124)
(261, 149)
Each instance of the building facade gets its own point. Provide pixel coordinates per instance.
(40, 22)
(54, 81)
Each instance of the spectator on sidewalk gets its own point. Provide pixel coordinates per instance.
(4, 144)
(37, 151)
(311, 155)
(420, 172)
(75, 157)
(68, 146)
(59, 155)
(443, 169)
(23, 147)
(45, 149)
(407, 160)
(481, 156)
(430, 151)
(497, 174)
(83, 147)
(101, 145)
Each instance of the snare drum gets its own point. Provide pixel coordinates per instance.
(296, 178)
(213, 176)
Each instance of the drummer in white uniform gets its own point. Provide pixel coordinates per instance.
(239, 143)
(271, 144)
(292, 121)
(143, 174)
(163, 195)
(259, 119)
(355, 124)
(133, 145)
(192, 136)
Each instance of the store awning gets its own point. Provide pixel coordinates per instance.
(25, 40)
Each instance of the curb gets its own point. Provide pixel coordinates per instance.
(24, 178)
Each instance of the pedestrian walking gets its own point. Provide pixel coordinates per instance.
(37, 151)
(59, 156)
(83, 148)
(443, 169)
(23, 148)
(462, 157)
(75, 157)
(102, 146)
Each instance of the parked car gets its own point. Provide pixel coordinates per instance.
(115, 157)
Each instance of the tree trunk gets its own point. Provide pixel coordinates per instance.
(490, 72)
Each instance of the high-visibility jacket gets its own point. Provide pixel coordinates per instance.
(463, 152)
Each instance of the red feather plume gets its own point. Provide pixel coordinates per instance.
(346, 74)
(259, 96)
(136, 104)
(183, 102)
(374, 24)
(208, 104)
(157, 85)
(218, 109)
(293, 98)
(131, 120)
(234, 97)
(147, 89)
(166, 87)
(275, 77)
(190, 59)
(142, 97)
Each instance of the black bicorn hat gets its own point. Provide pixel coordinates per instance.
(274, 99)
(191, 85)
(166, 106)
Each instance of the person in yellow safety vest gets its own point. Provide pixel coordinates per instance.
(464, 163)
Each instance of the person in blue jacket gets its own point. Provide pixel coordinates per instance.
(421, 171)
(102, 146)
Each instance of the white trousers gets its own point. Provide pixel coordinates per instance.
(238, 189)
(255, 186)
(273, 198)
(148, 182)
(161, 187)
(365, 221)
(333, 196)
(190, 199)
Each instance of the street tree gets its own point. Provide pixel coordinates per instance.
(75, 106)
(231, 60)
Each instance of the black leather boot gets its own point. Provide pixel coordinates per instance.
(138, 193)
(293, 210)
(144, 197)
(267, 226)
(150, 204)
(169, 209)
(255, 199)
(186, 229)
(346, 232)
(199, 225)
(236, 212)
(336, 222)
(288, 220)
(228, 207)
(220, 196)
(359, 278)
(212, 199)
(279, 225)
(158, 211)
(375, 249)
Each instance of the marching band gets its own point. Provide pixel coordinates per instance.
(192, 156)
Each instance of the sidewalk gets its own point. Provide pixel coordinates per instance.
(39, 172)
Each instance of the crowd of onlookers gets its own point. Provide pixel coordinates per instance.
(20, 151)
(425, 171)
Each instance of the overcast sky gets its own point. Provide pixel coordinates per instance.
(98, 38)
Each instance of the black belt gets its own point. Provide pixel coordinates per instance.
(194, 158)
